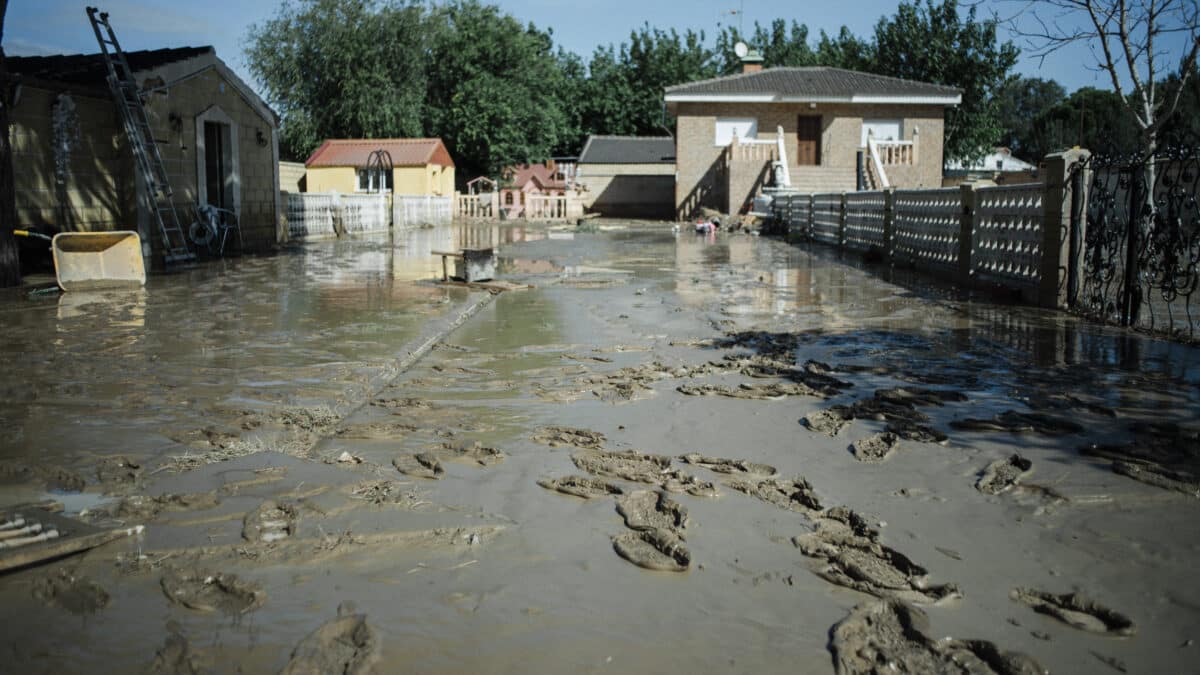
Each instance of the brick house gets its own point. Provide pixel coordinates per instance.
(629, 176)
(729, 131)
(76, 172)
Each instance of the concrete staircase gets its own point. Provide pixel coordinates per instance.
(817, 179)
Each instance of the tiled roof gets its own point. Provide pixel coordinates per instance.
(628, 150)
(404, 152)
(89, 69)
(538, 173)
(815, 81)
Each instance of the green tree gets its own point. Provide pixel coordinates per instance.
(1090, 118)
(932, 42)
(341, 69)
(493, 88)
(1020, 102)
(845, 50)
(625, 92)
(779, 43)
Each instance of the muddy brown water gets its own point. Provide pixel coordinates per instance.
(226, 387)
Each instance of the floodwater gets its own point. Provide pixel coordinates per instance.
(276, 409)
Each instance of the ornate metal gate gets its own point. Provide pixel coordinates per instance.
(1139, 238)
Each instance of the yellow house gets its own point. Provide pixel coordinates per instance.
(420, 166)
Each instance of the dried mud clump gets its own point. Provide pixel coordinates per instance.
(75, 593)
(176, 656)
(875, 448)
(653, 550)
(206, 592)
(1076, 610)
(854, 558)
(118, 474)
(794, 495)
(346, 645)
(888, 636)
(645, 510)
(144, 507)
(421, 465)
(642, 468)
(556, 437)
(830, 421)
(270, 522)
(1002, 474)
(471, 452)
(405, 402)
(580, 486)
(731, 466)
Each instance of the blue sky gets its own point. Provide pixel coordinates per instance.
(61, 26)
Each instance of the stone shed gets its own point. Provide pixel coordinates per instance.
(75, 171)
(629, 176)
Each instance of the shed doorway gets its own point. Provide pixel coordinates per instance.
(218, 165)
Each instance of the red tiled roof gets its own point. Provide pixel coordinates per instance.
(538, 173)
(404, 152)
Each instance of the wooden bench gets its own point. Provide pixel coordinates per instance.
(445, 255)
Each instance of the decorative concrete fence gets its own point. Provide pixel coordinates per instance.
(1006, 236)
(416, 210)
(552, 207)
(313, 215)
(309, 214)
(360, 214)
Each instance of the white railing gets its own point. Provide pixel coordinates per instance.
(478, 206)
(896, 152)
(881, 179)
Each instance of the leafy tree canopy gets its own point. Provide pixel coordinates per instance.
(1020, 102)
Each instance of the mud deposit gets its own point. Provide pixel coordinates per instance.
(889, 636)
(669, 454)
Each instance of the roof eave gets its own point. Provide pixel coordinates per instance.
(955, 99)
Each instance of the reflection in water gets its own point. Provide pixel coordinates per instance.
(412, 249)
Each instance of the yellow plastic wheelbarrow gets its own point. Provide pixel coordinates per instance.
(95, 260)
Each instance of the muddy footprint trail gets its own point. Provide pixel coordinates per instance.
(580, 486)
(204, 591)
(888, 636)
(1076, 610)
(1003, 474)
(854, 558)
(346, 645)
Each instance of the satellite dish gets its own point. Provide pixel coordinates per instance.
(741, 50)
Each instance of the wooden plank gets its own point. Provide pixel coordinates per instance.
(73, 537)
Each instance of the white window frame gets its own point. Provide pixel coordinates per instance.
(215, 114)
(726, 127)
(361, 172)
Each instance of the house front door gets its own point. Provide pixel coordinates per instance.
(808, 140)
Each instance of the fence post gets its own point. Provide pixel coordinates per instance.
(966, 232)
(889, 217)
(841, 231)
(1057, 198)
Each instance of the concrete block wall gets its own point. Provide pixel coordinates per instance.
(173, 116)
(629, 190)
(96, 193)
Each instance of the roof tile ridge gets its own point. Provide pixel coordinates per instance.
(892, 78)
(734, 76)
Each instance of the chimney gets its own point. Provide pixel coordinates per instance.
(752, 61)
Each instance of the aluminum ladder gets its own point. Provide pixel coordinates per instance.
(141, 140)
